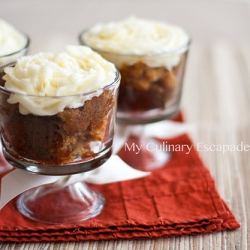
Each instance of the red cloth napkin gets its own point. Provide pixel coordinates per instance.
(179, 199)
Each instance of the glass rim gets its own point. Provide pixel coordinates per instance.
(113, 83)
(179, 50)
(26, 46)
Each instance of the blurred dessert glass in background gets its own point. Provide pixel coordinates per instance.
(151, 57)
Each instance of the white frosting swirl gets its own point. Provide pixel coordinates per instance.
(48, 83)
(139, 37)
(11, 40)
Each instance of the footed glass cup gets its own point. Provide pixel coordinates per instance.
(73, 141)
(150, 91)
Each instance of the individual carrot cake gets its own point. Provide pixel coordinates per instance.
(150, 56)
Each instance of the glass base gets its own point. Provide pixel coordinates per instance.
(145, 153)
(56, 205)
(153, 154)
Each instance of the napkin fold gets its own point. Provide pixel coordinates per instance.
(178, 199)
(19, 181)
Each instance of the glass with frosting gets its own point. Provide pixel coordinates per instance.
(151, 57)
(57, 111)
(13, 43)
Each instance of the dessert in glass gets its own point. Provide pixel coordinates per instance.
(57, 115)
(151, 57)
(13, 43)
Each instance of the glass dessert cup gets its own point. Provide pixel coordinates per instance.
(12, 57)
(9, 58)
(150, 91)
(73, 141)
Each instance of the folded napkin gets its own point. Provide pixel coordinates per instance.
(178, 199)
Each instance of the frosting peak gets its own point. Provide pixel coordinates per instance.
(70, 75)
(136, 36)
